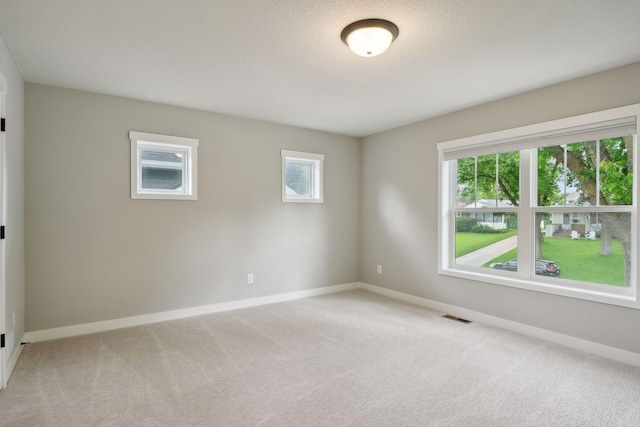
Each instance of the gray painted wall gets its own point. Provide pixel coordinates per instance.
(94, 254)
(399, 204)
(15, 264)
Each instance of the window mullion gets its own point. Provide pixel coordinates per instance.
(635, 251)
(564, 176)
(186, 185)
(453, 201)
(526, 238)
(598, 172)
(475, 183)
(138, 168)
(497, 180)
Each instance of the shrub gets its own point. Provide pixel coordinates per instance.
(483, 229)
(465, 223)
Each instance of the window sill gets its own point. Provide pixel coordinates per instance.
(164, 196)
(302, 201)
(623, 299)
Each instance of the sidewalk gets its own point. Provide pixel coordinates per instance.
(486, 254)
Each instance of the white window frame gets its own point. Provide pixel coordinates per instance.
(523, 139)
(174, 144)
(316, 162)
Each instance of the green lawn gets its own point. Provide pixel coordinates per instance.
(469, 242)
(580, 260)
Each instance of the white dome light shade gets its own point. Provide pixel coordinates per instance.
(369, 37)
(369, 41)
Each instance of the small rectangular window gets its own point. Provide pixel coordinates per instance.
(163, 167)
(302, 177)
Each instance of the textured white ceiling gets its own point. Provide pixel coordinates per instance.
(283, 60)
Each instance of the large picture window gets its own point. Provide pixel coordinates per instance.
(549, 207)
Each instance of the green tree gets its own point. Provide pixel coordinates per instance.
(506, 187)
(506, 184)
(477, 179)
(616, 185)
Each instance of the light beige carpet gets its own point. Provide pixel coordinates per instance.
(347, 359)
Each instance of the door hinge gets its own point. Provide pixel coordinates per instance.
(2, 124)
(1, 232)
(2, 341)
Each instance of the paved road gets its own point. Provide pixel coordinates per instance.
(486, 254)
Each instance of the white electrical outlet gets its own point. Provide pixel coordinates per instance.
(379, 269)
(250, 278)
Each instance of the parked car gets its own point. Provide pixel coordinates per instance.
(543, 267)
(547, 268)
(511, 265)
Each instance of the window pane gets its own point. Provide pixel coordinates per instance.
(585, 246)
(173, 158)
(489, 181)
(165, 179)
(466, 181)
(298, 178)
(558, 185)
(591, 173)
(616, 176)
(162, 169)
(486, 239)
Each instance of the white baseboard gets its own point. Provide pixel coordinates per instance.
(107, 325)
(544, 334)
(17, 351)
(532, 331)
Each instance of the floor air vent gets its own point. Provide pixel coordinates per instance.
(448, 316)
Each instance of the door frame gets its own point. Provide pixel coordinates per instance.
(4, 357)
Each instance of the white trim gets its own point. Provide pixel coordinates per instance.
(541, 134)
(602, 350)
(316, 161)
(532, 331)
(4, 371)
(189, 165)
(163, 139)
(14, 358)
(107, 325)
(300, 155)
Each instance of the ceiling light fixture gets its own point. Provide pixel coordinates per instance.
(369, 37)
